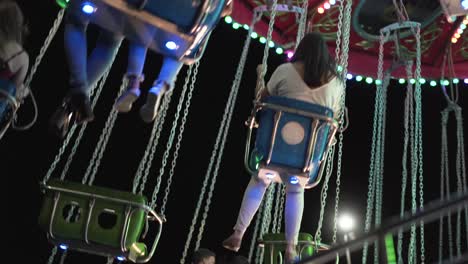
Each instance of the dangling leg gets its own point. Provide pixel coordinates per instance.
(76, 54)
(253, 196)
(164, 82)
(99, 61)
(136, 62)
(293, 216)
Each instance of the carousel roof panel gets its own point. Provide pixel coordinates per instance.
(367, 18)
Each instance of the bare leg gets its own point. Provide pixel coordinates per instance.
(293, 216)
(253, 196)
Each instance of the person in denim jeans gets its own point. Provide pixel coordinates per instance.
(163, 83)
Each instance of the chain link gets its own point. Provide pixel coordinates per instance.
(268, 39)
(52, 255)
(375, 149)
(95, 161)
(169, 145)
(45, 46)
(73, 128)
(274, 229)
(255, 231)
(231, 100)
(420, 141)
(281, 210)
(179, 137)
(323, 194)
(301, 27)
(145, 163)
(408, 102)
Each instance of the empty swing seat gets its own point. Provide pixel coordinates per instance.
(275, 246)
(292, 140)
(175, 28)
(98, 220)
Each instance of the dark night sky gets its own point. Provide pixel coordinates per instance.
(28, 155)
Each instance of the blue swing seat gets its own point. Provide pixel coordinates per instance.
(292, 140)
(7, 97)
(175, 28)
(8, 104)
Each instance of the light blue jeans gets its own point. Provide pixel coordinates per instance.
(86, 71)
(136, 59)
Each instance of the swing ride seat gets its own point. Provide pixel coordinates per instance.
(97, 220)
(275, 246)
(7, 97)
(292, 140)
(176, 28)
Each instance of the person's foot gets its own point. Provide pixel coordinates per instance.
(81, 106)
(233, 242)
(149, 110)
(125, 101)
(290, 255)
(60, 121)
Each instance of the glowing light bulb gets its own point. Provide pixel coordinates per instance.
(464, 4)
(228, 19)
(326, 5)
(88, 8)
(293, 180)
(320, 10)
(171, 45)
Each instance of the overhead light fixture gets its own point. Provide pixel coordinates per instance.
(464, 4)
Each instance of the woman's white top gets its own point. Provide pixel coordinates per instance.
(287, 82)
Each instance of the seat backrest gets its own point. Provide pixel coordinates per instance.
(106, 221)
(293, 133)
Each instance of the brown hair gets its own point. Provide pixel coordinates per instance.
(12, 27)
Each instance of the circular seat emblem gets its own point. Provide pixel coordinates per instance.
(292, 133)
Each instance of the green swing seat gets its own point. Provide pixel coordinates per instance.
(98, 220)
(275, 245)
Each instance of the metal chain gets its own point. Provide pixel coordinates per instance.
(344, 64)
(443, 154)
(179, 136)
(145, 163)
(52, 255)
(274, 229)
(324, 193)
(231, 100)
(95, 161)
(404, 180)
(63, 257)
(418, 102)
(412, 243)
(265, 222)
(53, 30)
(85, 125)
(256, 228)
(168, 146)
(268, 39)
(74, 126)
(281, 210)
(338, 31)
(301, 28)
(375, 149)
